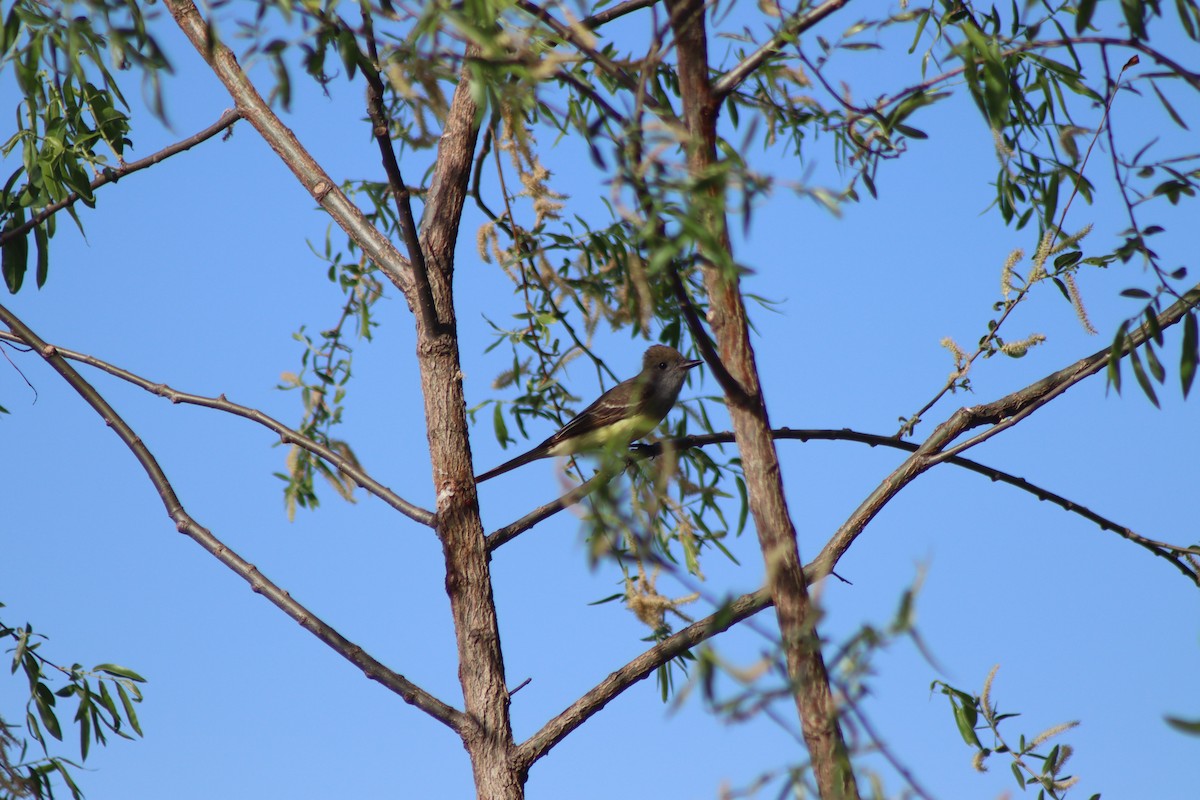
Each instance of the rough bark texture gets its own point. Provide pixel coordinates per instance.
(487, 732)
(468, 578)
(776, 534)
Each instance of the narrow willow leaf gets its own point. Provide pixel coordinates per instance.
(1187, 360)
(1143, 379)
(1114, 357)
(1169, 108)
(1185, 725)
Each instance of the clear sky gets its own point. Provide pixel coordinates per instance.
(197, 272)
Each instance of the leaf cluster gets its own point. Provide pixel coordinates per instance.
(72, 119)
(105, 698)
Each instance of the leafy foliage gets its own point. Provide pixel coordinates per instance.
(105, 698)
(975, 713)
(72, 119)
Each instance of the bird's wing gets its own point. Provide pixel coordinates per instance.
(597, 415)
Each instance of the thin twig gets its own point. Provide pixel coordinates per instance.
(617, 11)
(935, 449)
(1161, 549)
(286, 435)
(789, 30)
(114, 174)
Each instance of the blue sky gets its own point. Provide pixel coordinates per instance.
(196, 273)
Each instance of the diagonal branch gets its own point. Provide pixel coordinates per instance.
(311, 175)
(114, 174)
(1166, 550)
(1000, 415)
(638, 669)
(184, 523)
(704, 343)
(513, 530)
(286, 435)
(793, 27)
(617, 11)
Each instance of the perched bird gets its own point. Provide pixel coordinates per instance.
(626, 412)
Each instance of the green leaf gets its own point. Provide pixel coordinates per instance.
(130, 713)
(965, 716)
(1114, 357)
(1189, 356)
(119, 671)
(1143, 379)
(1156, 368)
(1169, 108)
(1083, 17)
(1184, 9)
(85, 735)
(1184, 725)
(111, 707)
(1067, 260)
(1153, 327)
(498, 424)
(15, 257)
(43, 254)
(44, 700)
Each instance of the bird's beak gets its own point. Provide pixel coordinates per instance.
(690, 364)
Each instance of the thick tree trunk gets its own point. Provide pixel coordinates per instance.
(468, 578)
(748, 412)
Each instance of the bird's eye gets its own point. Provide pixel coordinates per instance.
(662, 365)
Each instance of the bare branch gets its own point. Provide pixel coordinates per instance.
(259, 583)
(315, 180)
(509, 532)
(599, 696)
(1161, 549)
(114, 174)
(1165, 550)
(617, 11)
(380, 129)
(286, 435)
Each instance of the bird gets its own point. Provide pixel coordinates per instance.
(626, 412)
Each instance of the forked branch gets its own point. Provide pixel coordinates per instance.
(259, 583)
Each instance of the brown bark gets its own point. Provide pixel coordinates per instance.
(468, 578)
(748, 412)
(427, 284)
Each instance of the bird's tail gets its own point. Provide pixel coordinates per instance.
(524, 458)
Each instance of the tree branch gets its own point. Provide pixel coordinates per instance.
(509, 532)
(789, 30)
(259, 583)
(286, 435)
(380, 129)
(114, 174)
(315, 180)
(617, 11)
(795, 613)
(1000, 414)
(1164, 550)
(599, 696)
